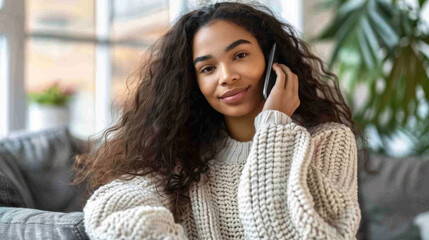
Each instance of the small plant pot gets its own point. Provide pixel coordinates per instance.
(47, 116)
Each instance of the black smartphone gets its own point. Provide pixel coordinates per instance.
(270, 76)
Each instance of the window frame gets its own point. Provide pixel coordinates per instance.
(4, 85)
(12, 27)
(103, 45)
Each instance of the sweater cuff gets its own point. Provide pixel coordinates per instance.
(271, 117)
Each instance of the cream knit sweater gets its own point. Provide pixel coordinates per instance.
(288, 183)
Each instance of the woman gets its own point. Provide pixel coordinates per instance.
(199, 153)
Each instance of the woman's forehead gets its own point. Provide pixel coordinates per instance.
(217, 36)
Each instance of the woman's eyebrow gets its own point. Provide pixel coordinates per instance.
(235, 44)
(227, 49)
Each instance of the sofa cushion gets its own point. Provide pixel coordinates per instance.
(394, 195)
(24, 223)
(44, 160)
(14, 191)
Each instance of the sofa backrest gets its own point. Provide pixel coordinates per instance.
(44, 160)
(14, 191)
(394, 195)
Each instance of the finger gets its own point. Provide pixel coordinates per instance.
(288, 74)
(292, 79)
(280, 80)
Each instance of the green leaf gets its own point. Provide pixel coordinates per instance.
(346, 32)
(350, 6)
(381, 27)
(365, 51)
(332, 29)
(370, 36)
(329, 4)
(51, 96)
(425, 80)
(425, 38)
(407, 25)
(393, 78)
(389, 10)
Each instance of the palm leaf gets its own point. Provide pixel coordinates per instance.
(371, 38)
(331, 30)
(351, 6)
(344, 34)
(364, 50)
(381, 26)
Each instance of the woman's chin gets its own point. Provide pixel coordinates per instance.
(238, 112)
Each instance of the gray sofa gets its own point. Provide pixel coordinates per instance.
(37, 200)
(37, 203)
(393, 196)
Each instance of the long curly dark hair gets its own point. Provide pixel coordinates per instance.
(170, 129)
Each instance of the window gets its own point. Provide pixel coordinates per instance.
(135, 25)
(139, 21)
(61, 18)
(125, 59)
(4, 86)
(92, 46)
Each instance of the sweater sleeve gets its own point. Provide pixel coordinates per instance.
(130, 210)
(298, 186)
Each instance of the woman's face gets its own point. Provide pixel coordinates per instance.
(229, 65)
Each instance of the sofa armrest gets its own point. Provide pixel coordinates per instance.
(26, 223)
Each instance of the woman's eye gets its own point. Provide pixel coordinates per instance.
(241, 55)
(207, 69)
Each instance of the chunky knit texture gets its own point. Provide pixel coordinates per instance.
(288, 183)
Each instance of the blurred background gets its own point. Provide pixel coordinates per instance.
(88, 48)
(67, 61)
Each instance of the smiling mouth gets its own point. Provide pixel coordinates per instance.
(236, 97)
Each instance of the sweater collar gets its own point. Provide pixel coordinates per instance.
(233, 151)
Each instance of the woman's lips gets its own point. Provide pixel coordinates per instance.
(235, 98)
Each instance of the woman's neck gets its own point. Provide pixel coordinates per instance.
(243, 128)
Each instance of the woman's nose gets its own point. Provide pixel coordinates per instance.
(228, 75)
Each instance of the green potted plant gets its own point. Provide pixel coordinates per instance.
(48, 106)
(383, 46)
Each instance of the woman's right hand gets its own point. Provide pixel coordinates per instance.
(284, 95)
